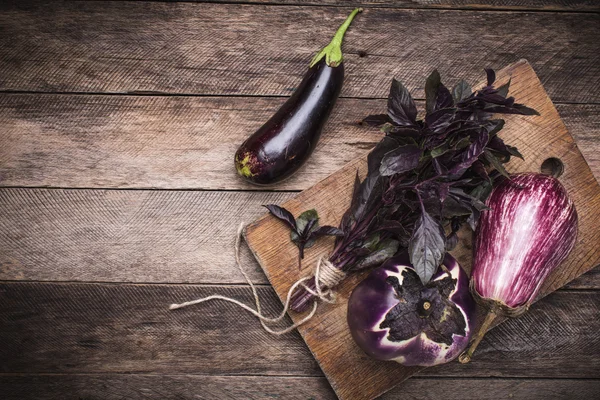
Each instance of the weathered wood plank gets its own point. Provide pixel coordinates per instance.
(184, 48)
(126, 235)
(582, 121)
(521, 5)
(133, 235)
(107, 328)
(133, 387)
(158, 142)
(589, 280)
(183, 142)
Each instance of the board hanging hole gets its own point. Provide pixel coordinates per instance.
(553, 166)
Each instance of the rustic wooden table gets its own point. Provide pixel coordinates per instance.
(118, 124)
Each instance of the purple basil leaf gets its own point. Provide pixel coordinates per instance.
(401, 107)
(524, 110)
(306, 222)
(326, 230)
(515, 109)
(405, 133)
(386, 145)
(499, 146)
(283, 215)
(439, 120)
(392, 226)
(471, 153)
(385, 249)
(468, 199)
(431, 90)
(495, 98)
(443, 188)
(376, 120)
(402, 159)
(503, 90)
(514, 152)
(300, 253)
(495, 162)
(371, 191)
(427, 246)
(479, 169)
(461, 91)
(491, 76)
(440, 168)
(454, 207)
(494, 126)
(443, 98)
(348, 215)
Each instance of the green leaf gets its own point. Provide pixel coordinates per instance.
(301, 222)
(427, 246)
(461, 91)
(371, 242)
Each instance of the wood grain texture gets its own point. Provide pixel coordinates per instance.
(127, 328)
(583, 123)
(167, 387)
(183, 142)
(351, 373)
(134, 236)
(225, 49)
(523, 5)
(126, 235)
(157, 142)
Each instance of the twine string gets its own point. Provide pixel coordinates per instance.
(326, 276)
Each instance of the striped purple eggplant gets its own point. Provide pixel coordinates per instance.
(393, 316)
(529, 229)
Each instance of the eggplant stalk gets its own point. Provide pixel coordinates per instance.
(333, 51)
(465, 357)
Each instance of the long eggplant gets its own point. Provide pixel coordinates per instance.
(287, 139)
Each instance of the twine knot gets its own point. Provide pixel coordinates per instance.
(326, 277)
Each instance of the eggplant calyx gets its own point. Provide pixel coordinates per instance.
(333, 51)
(423, 309)
(244, 167)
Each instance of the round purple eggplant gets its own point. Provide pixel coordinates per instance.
(393, 316)
(282, 145)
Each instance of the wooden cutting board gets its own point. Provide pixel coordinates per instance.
(351, 373)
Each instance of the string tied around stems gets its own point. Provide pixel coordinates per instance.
(326, 276)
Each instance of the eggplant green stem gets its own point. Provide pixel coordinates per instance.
(466, 356)
(333, 51)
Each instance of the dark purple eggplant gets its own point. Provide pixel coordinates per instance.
(287, 139)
